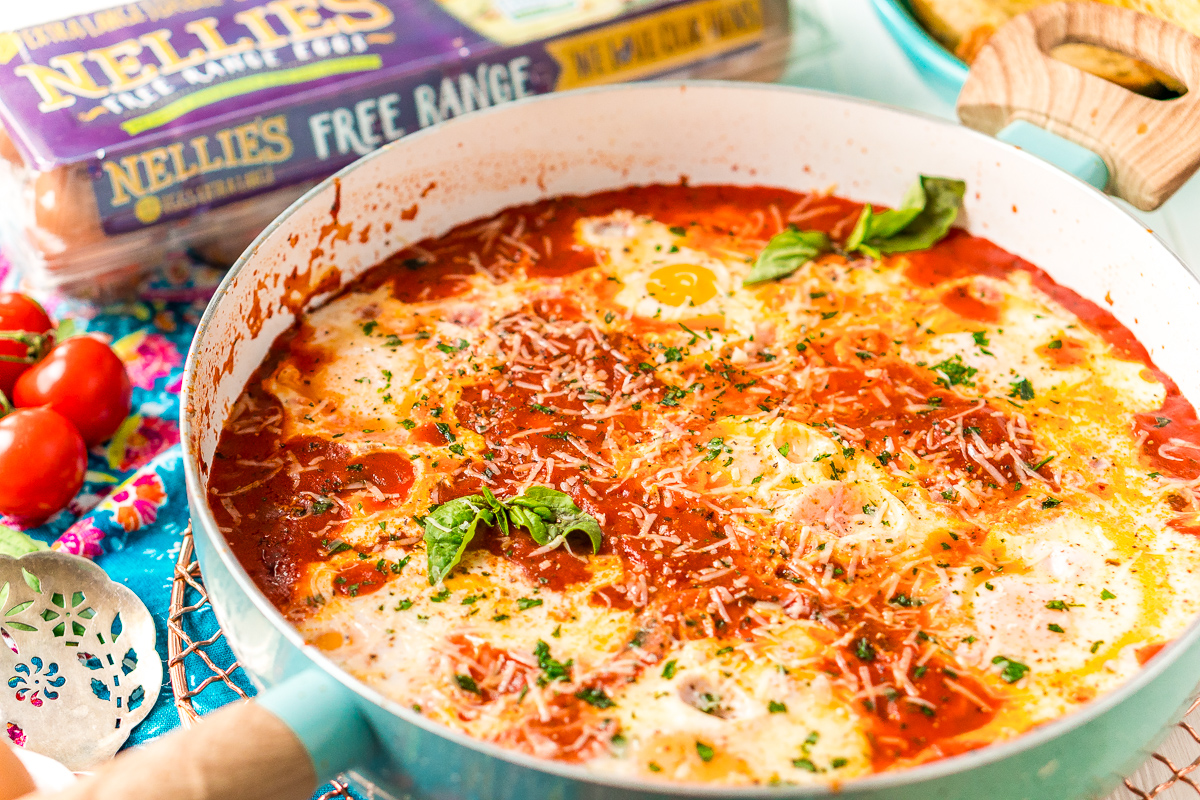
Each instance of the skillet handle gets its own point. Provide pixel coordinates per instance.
(300, 732)
(1149, 146)
(243, 752)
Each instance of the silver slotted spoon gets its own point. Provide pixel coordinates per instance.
(78, 665)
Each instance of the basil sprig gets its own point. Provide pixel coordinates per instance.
(547, 514)
(786, 252)
(923, 219)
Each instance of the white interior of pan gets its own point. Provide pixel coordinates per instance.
(589, 141)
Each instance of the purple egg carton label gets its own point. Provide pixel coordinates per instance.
(176, 106)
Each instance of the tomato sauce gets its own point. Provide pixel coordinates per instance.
(947, 705)
(573, 726)
(283, 503)
(963, 302)
(901, 729)
(1148, 652)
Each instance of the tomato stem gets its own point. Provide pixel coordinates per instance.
(36, 345)
(6, 407)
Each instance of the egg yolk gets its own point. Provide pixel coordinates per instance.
(329, 640)
(677, 284)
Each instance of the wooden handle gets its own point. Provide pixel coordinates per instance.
(1150, 146)
(242, 752)
(14, 778)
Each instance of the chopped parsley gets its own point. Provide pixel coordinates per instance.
(1022, 389)
(709, 703)
(1105, 594)
(526, 603)
(1011, 671)
(467, 684)
(705, 752)
(713, 448)
(595, 697)
(775, 707)
(953, 372)
(1062, 605)
(669, 669)
(673, 396)
(552, 669)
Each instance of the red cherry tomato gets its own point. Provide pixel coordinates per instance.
(42, 464)
(85, 381)
(18, 313)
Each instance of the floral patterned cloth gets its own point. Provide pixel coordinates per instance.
(132, 511)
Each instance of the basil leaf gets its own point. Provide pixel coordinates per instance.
(943, 201)
(923, 219)
(785, 253)
(528, 519)
(16, 544)
(548, 515)
(861, 228)
(497, 508)
(449, 528)
(872, 226)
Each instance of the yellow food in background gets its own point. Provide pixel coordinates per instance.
(964, 26)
